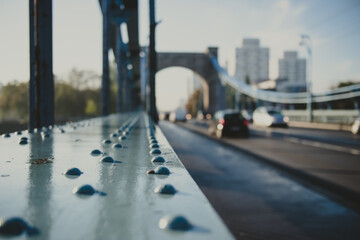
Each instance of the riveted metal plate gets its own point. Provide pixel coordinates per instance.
(34, 187)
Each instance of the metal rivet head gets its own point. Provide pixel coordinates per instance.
(117, 145)
(45, 134)
(162, 170)
(154, 145)
(155, 151)
(6, 135)
(15, 227)
(96, 152)
(122, 138)
(165, 189)
(23, 142)
(73, 172)
(114, 135)
(107, 141)
(153, 142)
(177, 223)
(107, 159)
(150, 172)
(18, 133)
(24, 138)
(158, 159)
(62, 130)
(84, 190)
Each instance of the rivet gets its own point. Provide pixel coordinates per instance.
(6, 135)
(153, 141)
(122, 138)
(96, 152)
(124, 133)
(177, 223)
(117, 145)
(84, 190)
(23, 142)
(154, 145)
(161, 170)
(73, 172)
(15, 227)
(45, 134)
(158, 159)
(150, 172)
(107, 141)
(107, 159)
(24, 138)
(18, 133)
(30, 131)
(62, 130)
(155, 151)
(165, 189)
(114, 135)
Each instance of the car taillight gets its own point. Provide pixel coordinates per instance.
(246, 122)
(222, 121)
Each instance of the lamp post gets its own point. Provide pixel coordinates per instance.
(307, 43)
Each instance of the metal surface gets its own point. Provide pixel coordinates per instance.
(105, 88)
(35, 188)
(41, 84)
(152, 64)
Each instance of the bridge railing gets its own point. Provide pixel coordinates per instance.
(288, 98)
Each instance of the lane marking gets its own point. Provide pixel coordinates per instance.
(323, 145)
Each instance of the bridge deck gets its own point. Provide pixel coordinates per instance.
(124, 206)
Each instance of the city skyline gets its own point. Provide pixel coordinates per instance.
(278, 24)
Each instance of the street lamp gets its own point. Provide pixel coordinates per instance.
(307, 43)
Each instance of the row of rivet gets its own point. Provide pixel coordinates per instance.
(170, 222)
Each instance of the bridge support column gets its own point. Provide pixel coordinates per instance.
(41, 85)
(152, 64)
(120, 72)
(105, 89)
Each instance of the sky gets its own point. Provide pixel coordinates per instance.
(192, 26)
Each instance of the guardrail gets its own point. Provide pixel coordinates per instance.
(324, 116)
(115, 177)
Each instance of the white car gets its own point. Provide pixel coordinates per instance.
(269, 116)
(355, 129)
(178, 115)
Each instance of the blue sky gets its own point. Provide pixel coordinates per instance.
(193, 25)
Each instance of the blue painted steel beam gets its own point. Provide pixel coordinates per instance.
(152, 63)
(105, 89)
(41, 84)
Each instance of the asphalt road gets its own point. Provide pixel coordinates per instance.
(254, 199)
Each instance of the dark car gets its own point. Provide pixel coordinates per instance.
(229, 123)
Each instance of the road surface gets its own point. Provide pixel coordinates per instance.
(254, 199)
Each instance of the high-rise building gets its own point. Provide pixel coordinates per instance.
(252, 61)
(292, 73)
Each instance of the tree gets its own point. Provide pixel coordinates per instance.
(192, 105)
(14, 101)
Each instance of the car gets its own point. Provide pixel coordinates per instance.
(269, 117)
(164, 116)
(229, 123)
(355, 128)
(178, 115)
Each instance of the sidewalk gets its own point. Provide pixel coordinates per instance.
(338, 178)
(326, 126)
